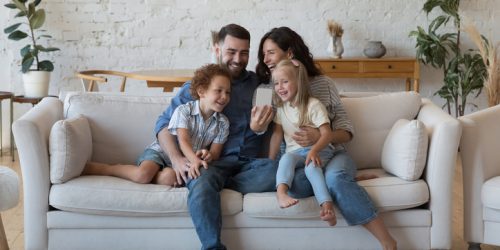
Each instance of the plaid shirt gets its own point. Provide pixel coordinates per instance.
(203, 133)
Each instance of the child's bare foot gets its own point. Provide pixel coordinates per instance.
(286, 201)
(327, 214)
(92, 168)
(390, 244)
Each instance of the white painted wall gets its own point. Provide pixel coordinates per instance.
(132, 35)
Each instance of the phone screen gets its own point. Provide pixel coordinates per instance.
(263, 97)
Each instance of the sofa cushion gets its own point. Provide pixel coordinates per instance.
(489, 193)
(405, 149)
(388, 192)
(105, 195)
(123, 125)
(373, 118)
(70, 147)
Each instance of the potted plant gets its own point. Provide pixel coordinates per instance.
(35, 78)
(464, 72)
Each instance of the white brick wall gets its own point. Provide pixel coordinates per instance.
(153, 34)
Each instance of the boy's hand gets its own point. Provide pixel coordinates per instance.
(204, 155)
(194, 168)
(313, 157)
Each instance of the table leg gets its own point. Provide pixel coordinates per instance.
(11, 134)
(416, 85)
(408, 84)
(1, 129)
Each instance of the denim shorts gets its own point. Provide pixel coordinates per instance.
(152, 155)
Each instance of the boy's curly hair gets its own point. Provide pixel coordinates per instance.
(204, 75)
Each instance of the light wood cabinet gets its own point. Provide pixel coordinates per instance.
(362, 67)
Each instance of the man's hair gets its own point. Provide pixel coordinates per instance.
(234, 30)
(204, 75)
(286, 39)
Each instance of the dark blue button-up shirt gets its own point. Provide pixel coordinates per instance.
(242, 141)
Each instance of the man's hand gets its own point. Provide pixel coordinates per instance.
(204, 155)
(194, 168)
(306, 136)
(260, 118)
(180, 166)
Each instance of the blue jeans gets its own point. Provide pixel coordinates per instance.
(248, 175)
(351, 199)
(296, 159)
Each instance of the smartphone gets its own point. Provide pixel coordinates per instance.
(263, 97)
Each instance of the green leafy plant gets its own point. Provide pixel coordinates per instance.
(464, 72)
(35, 18)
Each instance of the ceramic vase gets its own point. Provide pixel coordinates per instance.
(36, 83)
(335, 47)
(374, 49)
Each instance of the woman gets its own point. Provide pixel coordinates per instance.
(284, 43)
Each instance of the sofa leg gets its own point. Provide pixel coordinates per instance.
(474, 246)
(3, 237)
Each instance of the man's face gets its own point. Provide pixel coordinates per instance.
(233, 54)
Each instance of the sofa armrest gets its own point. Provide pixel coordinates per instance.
(444, 137)
(31, 133)
(480, 162)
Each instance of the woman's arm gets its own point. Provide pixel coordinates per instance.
(276, 139)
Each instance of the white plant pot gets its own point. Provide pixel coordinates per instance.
(36, 83)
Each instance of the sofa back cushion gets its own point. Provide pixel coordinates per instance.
(373, 118)
(121, 125)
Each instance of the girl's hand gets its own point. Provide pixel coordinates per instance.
(313, 157)
(306, 136)
(194, 168)
(204, 155)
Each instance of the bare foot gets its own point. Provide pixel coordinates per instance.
(327, 214)
(390, 244)
(286, 201)
(363, 177)
(92, 168)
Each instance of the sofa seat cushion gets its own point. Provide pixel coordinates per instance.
(388, 192)
(489, 193)
(104, 195)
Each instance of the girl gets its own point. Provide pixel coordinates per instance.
(295, 109)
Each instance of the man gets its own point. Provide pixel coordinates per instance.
(238, 168)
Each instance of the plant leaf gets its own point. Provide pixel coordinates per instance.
(50, 49)
(46, 66)
(17, 35)
(31, 10)
(25, 50)
(20, 14)
(20, 5)
(47, 36)
(10, 6)
(37, 2)
(27, 62)
(11, 28)
(37, 20)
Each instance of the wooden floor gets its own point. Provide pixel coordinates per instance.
(13, 218)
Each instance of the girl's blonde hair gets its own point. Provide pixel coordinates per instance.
(301, 100)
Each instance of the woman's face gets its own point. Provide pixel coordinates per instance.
(273, 54)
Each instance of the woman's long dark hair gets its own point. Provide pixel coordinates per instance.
(286, 39)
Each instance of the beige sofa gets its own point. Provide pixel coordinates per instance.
(99, 212)
(481, 175)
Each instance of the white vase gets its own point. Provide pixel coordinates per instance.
(335, 47)
(36, 83)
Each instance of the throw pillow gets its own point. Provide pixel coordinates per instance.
(405, 149)
(70, 147)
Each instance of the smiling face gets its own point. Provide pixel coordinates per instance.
(285, 84)
(234, 54)
(216, 96)
(273, 54)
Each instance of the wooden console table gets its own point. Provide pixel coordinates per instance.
(362, 67)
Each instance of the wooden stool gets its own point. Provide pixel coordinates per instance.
(20, 99)
(3, 95)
